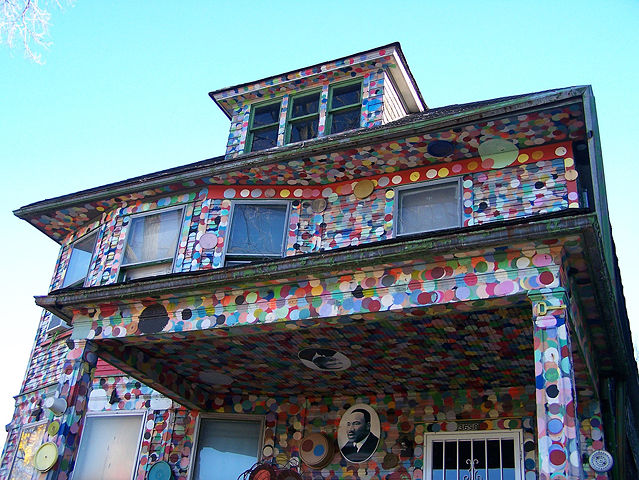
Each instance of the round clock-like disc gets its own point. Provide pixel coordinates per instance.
(46, 456)
(160, 471)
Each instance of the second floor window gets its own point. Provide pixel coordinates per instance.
(79, 261)
(257, 231)
(151, 244)
(427, 208)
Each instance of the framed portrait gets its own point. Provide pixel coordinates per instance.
(358, 433)
(323, 359)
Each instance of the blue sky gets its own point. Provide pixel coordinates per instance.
(123, 92)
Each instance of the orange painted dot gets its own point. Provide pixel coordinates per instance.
(472, 165)
(538, 155)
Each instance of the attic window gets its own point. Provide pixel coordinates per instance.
(79, 261)
(303, 123)
(345, 106)
(264, 127)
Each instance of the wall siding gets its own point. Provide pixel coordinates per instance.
(393, 107)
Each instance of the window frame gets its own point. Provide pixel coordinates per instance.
(112, 413)
(35, 474)
(289, 114)
(238, 258)
(122, 274)
(250, 131)
(330, 111)
(225, 416)
(82, 282)
(463, 435)
(425, 186)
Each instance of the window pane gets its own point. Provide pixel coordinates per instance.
(109, 447)
(257, 229)
(305, 105)
(304, 130)
(266, 115)
(31, 437)
(225, 449)
(264, 138)
(450, 460)
(348, 95)
(426, 209)
(494, 460)
(508, 459)
(80, 259)
(342, 121)
(438, 461)
(153, 237)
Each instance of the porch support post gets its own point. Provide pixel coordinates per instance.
(74, 386)
(557, 426)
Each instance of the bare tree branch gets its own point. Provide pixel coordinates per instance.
(27, 22)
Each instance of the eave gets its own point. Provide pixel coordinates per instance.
(176, 178)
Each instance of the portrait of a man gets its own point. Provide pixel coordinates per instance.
(358, 433)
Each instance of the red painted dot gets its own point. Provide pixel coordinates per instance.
(546, 278)
(557, 457)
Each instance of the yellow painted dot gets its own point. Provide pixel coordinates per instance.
(443, 172)
(472, 165)
(573, 205)
(538, 155)
(317, 290)
(523, 158)
(394, 146)
(414, 176)
(285, 193)
(571, 175)
(568, 162)
(390, 194)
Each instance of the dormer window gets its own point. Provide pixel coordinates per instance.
(257, 231)
(151, 244)
(264, 127)
(303, 123)
(344, 108)
(79, 261)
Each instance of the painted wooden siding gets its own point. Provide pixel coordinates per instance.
(527, 188)
(46, 359)
(518, 192)
(393, 107)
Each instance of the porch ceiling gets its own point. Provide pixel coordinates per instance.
(394, 353)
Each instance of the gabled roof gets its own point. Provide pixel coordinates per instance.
(60, 216)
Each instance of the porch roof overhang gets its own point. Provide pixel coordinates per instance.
(174, 364)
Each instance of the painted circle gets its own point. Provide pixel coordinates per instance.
(160, 471)
(45, 457)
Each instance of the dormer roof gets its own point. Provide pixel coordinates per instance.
(388, 56)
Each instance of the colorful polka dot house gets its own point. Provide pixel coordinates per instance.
(444, 276)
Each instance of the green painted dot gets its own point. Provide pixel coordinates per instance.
(551, 374)
(481, 267)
